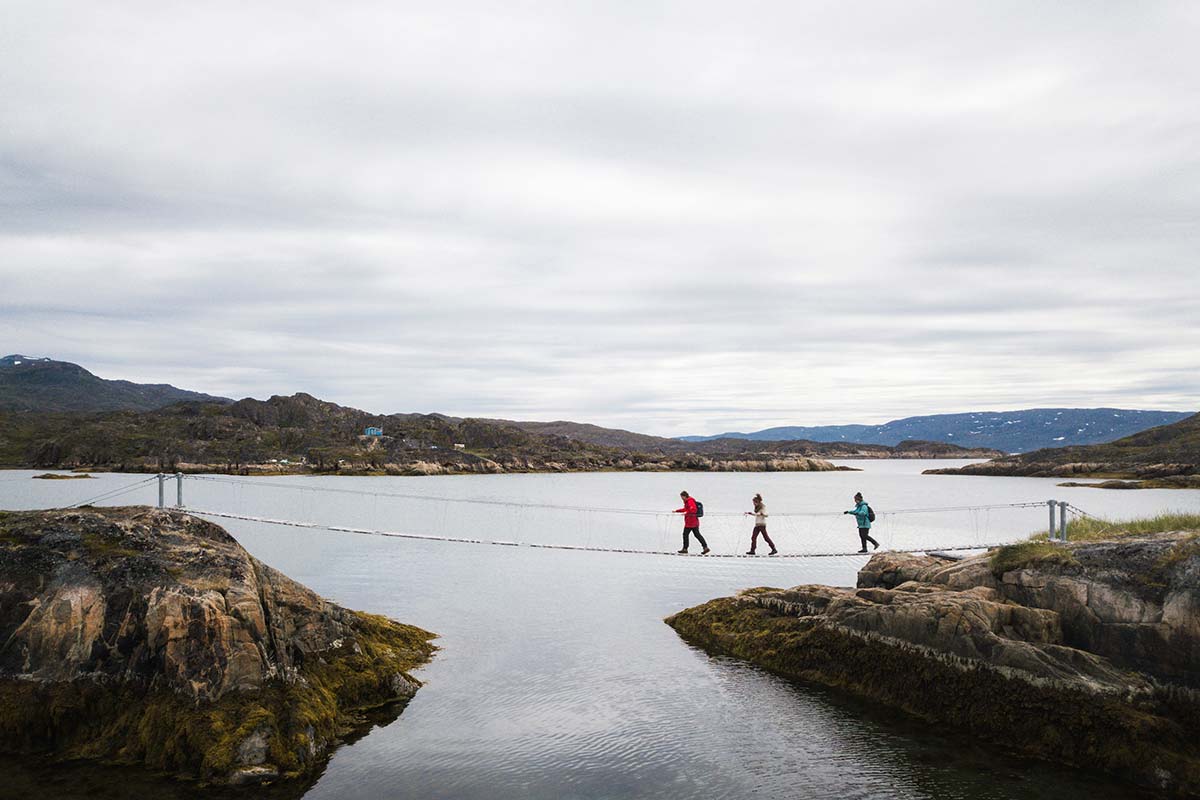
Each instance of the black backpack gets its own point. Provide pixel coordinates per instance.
(699, 508)
(870, 513)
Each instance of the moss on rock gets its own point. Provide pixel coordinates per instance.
(140, 637)
(1024, 554)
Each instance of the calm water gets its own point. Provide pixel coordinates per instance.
(556, 677)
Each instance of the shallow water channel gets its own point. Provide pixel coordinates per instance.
(556, 676)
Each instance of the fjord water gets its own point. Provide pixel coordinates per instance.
(556, 676)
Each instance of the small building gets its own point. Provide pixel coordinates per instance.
(373, 431)
(459, 446)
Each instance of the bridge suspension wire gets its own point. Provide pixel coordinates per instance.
(1079, 512)
(598, 509)
(546, 546)
(410, 496)
(113, 493)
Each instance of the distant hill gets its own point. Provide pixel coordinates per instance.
(1010, 431)
(606, 437)
(1167, 451)
(733, 447)
(283, 431)
(300, 434)
(43, 384)
(303, 434)
(57, 414)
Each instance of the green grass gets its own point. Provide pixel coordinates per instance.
(1038, 550)
(1087, 529)
(1024, 554)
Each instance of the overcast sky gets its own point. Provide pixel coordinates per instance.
(671, 217)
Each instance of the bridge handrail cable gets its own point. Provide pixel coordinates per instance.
(594, 509)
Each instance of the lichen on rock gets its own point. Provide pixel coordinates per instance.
(152, 637)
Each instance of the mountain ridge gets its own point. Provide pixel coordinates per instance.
(1169, 454)
(1011, 431)
(44, 384)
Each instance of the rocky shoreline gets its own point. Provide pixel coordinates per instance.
(1165, 472)
(1084, 654)
(1171, 482)
(483, 466)
(148, 637)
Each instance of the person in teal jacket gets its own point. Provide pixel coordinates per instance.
(862, 513)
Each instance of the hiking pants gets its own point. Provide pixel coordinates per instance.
(699, 538)
(754, 537)
(865, 535)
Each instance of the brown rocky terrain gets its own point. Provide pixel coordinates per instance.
(1086, 654)
(142, 636)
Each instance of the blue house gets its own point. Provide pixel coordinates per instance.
(373, 431)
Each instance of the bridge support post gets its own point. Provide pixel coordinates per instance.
(179, 490)
(1052, 503)
(161, 480)
(1062, 522)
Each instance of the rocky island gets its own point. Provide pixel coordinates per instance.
(148, 637)
(1085, 654)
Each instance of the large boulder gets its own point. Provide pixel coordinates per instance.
(1086, 653)
(147, 636)
(1134, 600)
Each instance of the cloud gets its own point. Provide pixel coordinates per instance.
(673, 218)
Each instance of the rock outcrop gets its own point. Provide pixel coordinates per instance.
(1087, 654)
(144, 636)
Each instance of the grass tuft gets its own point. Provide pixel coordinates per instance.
(1024, 554)
(1088, 529)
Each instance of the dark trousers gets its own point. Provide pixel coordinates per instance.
(699, 538)
(754, 538)
(865, 535)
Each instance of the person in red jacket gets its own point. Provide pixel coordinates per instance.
(691, 523)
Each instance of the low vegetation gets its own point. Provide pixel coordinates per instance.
(1091, 529)
(1041, 551)
(1026, 554)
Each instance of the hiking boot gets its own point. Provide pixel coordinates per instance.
(877, 545)
(750, 552)
(862, 551)
(684, 552)
(704, 552)
(773, 553)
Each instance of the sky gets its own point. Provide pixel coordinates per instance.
(675, 218)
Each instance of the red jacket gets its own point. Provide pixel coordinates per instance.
(690, 520)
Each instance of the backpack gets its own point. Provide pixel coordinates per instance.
(699, 508)
(870, 514)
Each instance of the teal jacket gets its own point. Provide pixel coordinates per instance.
(860, 513)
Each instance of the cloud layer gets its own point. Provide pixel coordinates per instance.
(673, 217)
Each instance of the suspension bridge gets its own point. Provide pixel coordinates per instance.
(728, 530)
